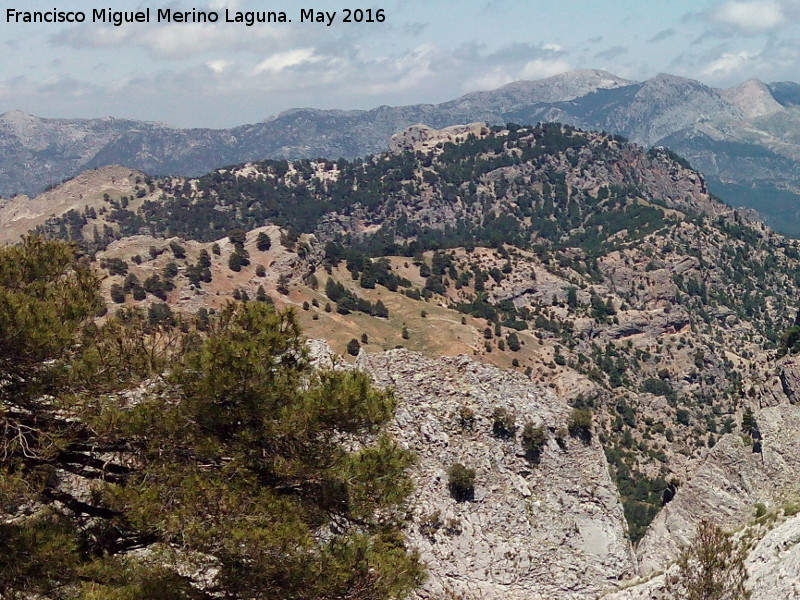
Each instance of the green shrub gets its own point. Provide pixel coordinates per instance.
(353, 347)
(466, 418)
(461, 482)
(580, 424)
(533, 440)
(504, 424)
(263, 243)
(658, 387)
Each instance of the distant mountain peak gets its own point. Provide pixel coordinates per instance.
(17, 117)
(15, 114)
(20, 124)
(753, 98)
(564, 86)
(593, 77)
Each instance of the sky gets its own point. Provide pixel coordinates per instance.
(226, 74)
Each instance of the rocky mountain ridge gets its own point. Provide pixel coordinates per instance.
(35, 152)
(744, 139)
(535, 529)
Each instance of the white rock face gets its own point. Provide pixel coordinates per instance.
(773, 567)
(423, 138)
(667, 104)
(726, 487)
(533, 531)
(753, 98)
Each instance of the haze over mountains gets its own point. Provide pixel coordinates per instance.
(746, 139)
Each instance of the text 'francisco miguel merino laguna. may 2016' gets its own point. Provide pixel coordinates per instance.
(168, 15)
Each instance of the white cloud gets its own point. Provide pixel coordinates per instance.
(750, 16)
(727, 64)
(539, 68)
(180, 41)
(218, 66)
(511, 64)
(490, 80)
(284, 60)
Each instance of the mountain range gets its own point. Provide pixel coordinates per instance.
(746, 139)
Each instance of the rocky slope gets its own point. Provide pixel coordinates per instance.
(626, 286)
(21, 214)
(753, 493)
(725, 487)
(535, 529)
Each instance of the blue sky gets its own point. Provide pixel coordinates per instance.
(426, 51)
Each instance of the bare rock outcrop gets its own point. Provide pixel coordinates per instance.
(423, 138)
(547, 529)
(753, 98)
(772, 565)
(724, 489)
(789, 371)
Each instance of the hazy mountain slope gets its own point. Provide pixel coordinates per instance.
(747, 136)
(753, 98)
(786, 92)
(35, 152)
(646, 112)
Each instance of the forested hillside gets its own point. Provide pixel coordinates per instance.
(655, 303)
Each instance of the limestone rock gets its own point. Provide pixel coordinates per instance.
(773, 568)
(790, 379)
(725, 487)
(423, 138)
(549, 530)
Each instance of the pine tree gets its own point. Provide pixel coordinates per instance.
(380, 310)
(353, 347)
(712, 568)
(263, 243)
(235, 261)
(234, 459)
